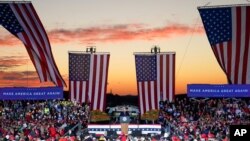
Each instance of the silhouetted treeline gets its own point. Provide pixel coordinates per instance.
(115, 99)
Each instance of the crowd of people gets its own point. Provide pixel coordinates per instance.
(42, 120)
(184, 119)
(203, 119)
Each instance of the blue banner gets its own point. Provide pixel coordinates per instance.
(205, 90)
(23, 93)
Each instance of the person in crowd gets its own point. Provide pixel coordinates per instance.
(41, 120)
(203, 119)
(184, 119)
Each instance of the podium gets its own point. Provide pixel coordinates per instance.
(124, 121)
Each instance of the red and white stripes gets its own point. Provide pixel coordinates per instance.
(233, 56)
(93, 90)
(36, 42)
(163, 88)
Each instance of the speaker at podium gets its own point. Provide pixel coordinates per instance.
(124, 121)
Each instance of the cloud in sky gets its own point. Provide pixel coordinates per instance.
(8, 62)
(122, 33)
(22, 79)
(125, 32)
(18, 78)
(9, 40)
(18, 75)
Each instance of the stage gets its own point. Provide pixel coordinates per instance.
(132, 128)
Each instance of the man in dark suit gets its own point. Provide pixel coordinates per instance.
(124, 112)
(124, 116)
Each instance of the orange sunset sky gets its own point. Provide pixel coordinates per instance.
(120, 27)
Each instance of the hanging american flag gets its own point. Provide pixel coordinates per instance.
(88, 78)
(228, 30)
(155, 79)
(22, 21)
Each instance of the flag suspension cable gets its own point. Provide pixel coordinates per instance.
(154, 50)
(189, 41)
(15, 1)
(221, 6)
(89, 49)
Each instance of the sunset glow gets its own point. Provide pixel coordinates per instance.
(121, 28)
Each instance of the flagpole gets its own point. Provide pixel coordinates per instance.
(89, 49)
(223, 6)
(15, 1)
(154, 50)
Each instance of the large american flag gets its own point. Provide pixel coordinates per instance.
(22, 21)
(228, 30)
(155, 79)
(88, 78)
